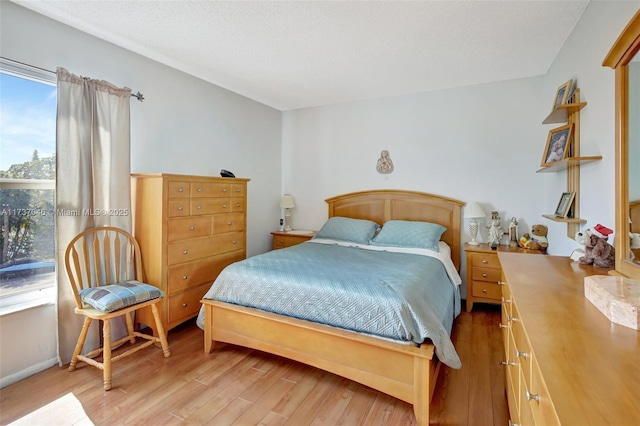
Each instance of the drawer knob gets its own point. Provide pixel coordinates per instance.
(199, 189)
(224, 189)
(230, 223)
(180, 208)
(521, 354)
(224, 206)
(184, 277)
(500, 325)
(185, 252)
(199, 207)
(508, 363)
(180, 189)
(238, 205)
(532, 396)
(238, 190)
(235, 242)
(484, 261)
(193, 228)
(184, 305)
(484, 290)
(484, 275)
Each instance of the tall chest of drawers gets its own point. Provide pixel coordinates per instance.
(189, 229)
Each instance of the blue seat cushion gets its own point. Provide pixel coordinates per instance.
(109, 298)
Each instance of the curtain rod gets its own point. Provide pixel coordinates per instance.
(139, 96)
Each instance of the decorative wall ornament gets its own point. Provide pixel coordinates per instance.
(385, 165)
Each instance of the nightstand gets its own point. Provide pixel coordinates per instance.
(484, 273)
(282, 239)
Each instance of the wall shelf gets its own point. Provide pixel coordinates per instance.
(570, 114)
(564, 219)
(564, 164)
(563, 112)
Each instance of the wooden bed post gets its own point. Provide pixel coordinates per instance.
(421, 389)
(208, 341)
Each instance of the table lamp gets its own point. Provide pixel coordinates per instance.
(473, 211)
(286, 202)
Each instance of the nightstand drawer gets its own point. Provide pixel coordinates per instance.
(486, 274)
(282, 241)
(487, 290)
(487, 260)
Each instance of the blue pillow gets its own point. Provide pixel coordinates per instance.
(109, 298)
(347, 229)
(403, 233)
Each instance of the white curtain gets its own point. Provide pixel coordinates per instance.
(92, 180)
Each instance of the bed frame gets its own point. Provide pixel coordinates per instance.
(405, 372)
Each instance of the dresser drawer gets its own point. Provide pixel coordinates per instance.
(178, 189)
(210, 206)
(237, 204)
(486, 274)
(185, 305)
(203, 271)
(230, 241)
(525, 412)
(209, 189)
(487, 290)
(487, 260)
(190, 227)
(543, 410)
(521, 353)
(238, 190)
(178, 208)
(188, 250)
(513, 395)
(228, 223)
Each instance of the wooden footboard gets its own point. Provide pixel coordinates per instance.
(402, 371)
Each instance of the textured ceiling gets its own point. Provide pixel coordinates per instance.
(298, 54)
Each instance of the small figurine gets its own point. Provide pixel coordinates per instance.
(495, 230)
(513, 232)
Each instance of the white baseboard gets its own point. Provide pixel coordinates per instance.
(16, 377)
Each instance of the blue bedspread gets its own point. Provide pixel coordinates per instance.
(398, 296)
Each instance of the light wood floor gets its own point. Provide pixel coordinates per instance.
(239, 386)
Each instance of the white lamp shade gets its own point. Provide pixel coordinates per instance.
(474, 210)
(287, 202)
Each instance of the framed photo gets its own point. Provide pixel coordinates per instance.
(562, 94)
(558, 143)
(564, 205)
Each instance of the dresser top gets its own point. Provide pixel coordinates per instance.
(187, 177)
(590, 365)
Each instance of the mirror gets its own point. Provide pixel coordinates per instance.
(625, 60)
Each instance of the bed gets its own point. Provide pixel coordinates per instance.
(400, 369)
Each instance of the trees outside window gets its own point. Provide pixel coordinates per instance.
(27, 181)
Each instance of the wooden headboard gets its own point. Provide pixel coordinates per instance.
(383, 205)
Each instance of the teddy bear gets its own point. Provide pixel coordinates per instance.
(537, 240)
(597, 250)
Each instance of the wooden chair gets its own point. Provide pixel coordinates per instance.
(105, 270)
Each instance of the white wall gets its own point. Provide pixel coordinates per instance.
(480, 143)
(185, 125)
(581, 59)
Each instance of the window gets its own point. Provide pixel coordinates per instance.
(27, 186)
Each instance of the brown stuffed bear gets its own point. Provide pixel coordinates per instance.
(597, 251)
(537, 240)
